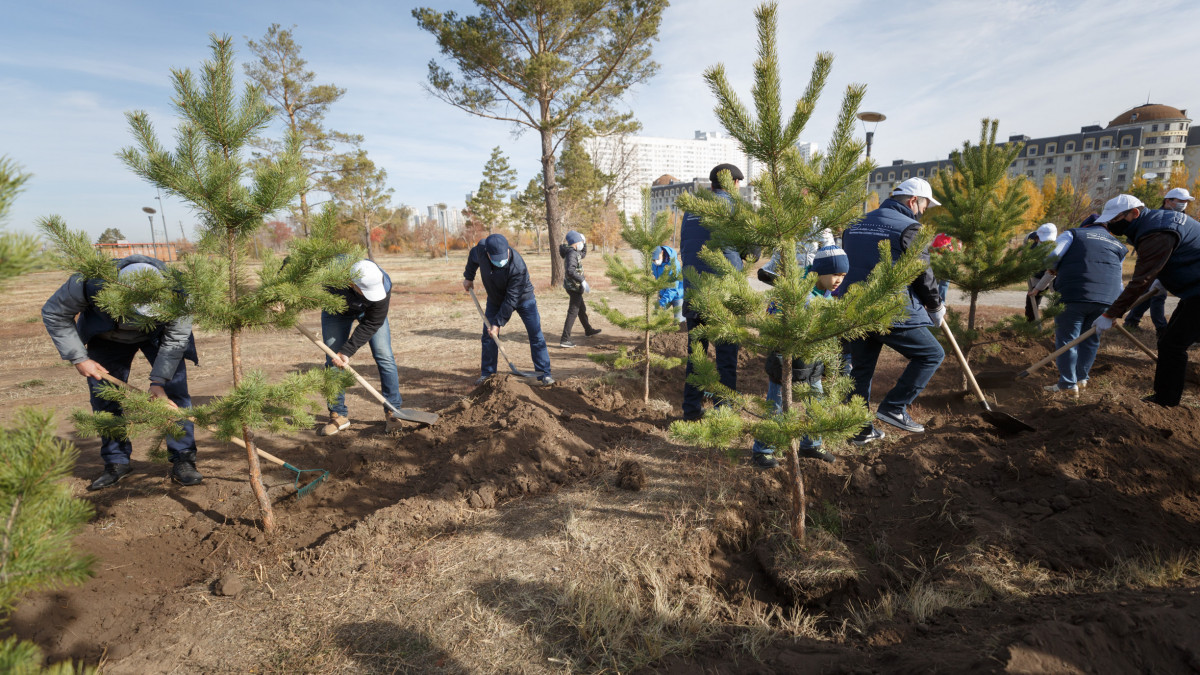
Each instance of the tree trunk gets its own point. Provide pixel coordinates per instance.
(796, 487)
(550, 187)
(304, 212)
(370, 250)
(235, 348)
(646, 383)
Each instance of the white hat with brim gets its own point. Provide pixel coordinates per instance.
(916, 187)
(1118, 205)
(1047, 232)
(1179, 193)
(369, 279)
(136, 268)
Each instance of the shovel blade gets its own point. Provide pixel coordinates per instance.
(413, 415)
(1005, 422)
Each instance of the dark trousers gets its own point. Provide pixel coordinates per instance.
(533, 327)
(575, 308)
(1033, 302)
(727, 355)
(1183, 331)
(117, 358)
(918, 345)
(1158, 312)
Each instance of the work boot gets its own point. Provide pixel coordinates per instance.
(336, 423)
(184, 470)
(764, 460)
(112, 474)
(391, 424)
(592, 331)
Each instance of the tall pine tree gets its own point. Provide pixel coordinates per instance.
(796, 199)
(209, 171)
(643, 235)
(487, 203)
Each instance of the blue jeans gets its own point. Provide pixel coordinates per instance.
(1075, 363)
(533, 328)
(335, 331)
(775, 395)
(918, 345)
(944, 291)
(1158, 312)
(727, 355)
(117, 358)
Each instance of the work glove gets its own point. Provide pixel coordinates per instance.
(586, 287)
(1102, 323)
(1158, 288)
(937, 315)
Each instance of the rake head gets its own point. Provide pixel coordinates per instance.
(302, 490)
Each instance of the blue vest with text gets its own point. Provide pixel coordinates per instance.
(861, 243)
(1090, 269)
(1181, 274)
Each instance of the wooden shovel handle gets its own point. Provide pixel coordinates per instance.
(1083, 336)
(1136, 341)
(962, 361)
(361, 380)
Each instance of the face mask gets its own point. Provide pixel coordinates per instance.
(1118, 227)
(500, 263)
(1179, 206)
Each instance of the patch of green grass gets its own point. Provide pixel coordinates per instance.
(826, 518)
(30, 384)
(33, 319)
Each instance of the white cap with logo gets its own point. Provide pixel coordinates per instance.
(916, 187)
(369, 278)
(1180, 194)
(1118, 205)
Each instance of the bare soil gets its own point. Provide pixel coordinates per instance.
(560, 529)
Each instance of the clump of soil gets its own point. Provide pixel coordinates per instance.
(631, 476)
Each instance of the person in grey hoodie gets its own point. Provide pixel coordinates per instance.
(575, 285)
(97, 344)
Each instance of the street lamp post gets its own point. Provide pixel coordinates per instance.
(150, 215)
(163, 214)
(872, 118)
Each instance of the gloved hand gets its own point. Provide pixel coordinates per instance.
(1103, 323)
(938, 315)
(586, 287)
(1158, 288)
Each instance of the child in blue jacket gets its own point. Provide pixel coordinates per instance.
(830, 265)
(666, 258)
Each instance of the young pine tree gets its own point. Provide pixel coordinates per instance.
(214, 286)
(643, 236)
(797, 198)
(984, 210)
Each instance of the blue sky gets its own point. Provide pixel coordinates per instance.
(70, 70)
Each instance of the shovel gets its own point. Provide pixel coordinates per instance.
(1000, 420)
(410, 414)
(479, 308)
(301, 490)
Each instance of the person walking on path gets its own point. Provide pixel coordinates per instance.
(574, 282)
(692, 237)
(1177, 199)
(506, 280)
(896, 221)
(666, 258)
(1168, 252)
(368, 300)
(97, 344)
(1046, 233)
(1087, 275)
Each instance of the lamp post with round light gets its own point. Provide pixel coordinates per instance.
(150, 215)
(872, 118)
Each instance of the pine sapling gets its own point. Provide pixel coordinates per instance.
(643, 235)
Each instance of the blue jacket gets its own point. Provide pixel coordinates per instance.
(668, 296)
(892, 221)
(692, 237)
(1090, 268)
(507, 287)
(1181, 274)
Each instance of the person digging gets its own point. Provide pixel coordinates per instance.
(98, 344)
(367, 302)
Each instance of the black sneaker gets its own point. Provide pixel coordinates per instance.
(546, 380)
(184, 470)
(592, 331)
(869, 434)
(1153, 398)
(817, 452)
(566, 344)
(764, 460)
(112, 474)
(901, 420)
(692, 417)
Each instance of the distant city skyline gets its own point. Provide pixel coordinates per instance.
(70, 71)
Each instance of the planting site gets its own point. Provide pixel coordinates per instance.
(553, 529)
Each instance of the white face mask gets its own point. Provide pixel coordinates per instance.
(502, 263)
(1179, 205)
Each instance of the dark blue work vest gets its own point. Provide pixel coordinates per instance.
(1181, 274)
(861, 243)
(1090, 269)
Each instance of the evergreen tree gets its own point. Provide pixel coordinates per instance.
(361, 189)
(1151, 191)
(581, 188)
(528, 209)
(499, 179)
(213, 286)
(18, 252)
(643, 236)
(286, 81)
(110, 236)
(551, 66)
(985, 212)
(796, 199)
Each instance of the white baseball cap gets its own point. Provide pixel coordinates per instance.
(369, 279)
(135, 268)
(1047, 232)
(1179, 193)
(1118, 205)
(917, 187)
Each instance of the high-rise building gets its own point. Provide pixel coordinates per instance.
(1148, 139)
